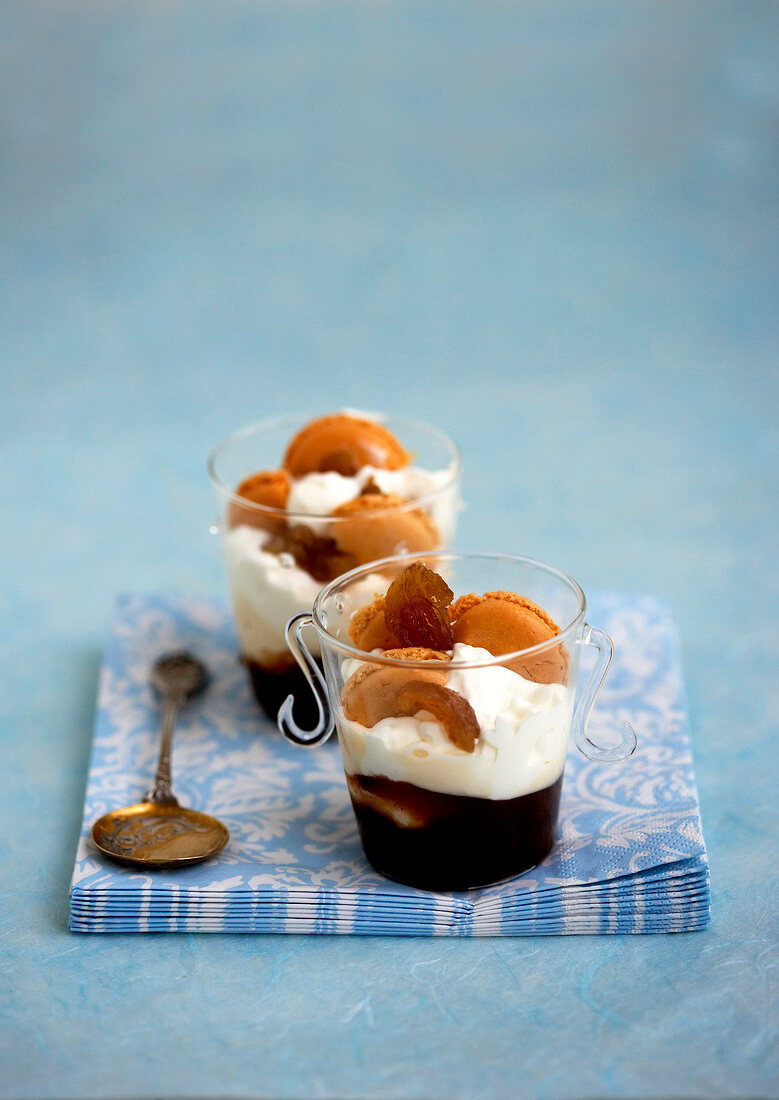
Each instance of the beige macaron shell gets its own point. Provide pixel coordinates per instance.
(368, 627)
(370, 693)
(503, 622)
(375, 526)
(344, 444)
(268, 488)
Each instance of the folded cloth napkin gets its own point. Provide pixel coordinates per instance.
(630, 855)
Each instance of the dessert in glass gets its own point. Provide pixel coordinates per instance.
(304, 500)
(453, 712)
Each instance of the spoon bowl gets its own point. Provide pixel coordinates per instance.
(155, 836)
(179, 674)
(158, 832)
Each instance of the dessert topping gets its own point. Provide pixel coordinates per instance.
(322, 464)
(502, 622)
(343, 444)
(368, 627)
(369, 692)
(317, 554)
(269, 488)
(375, 692)
(448, 707)
(374, 526)
(416, 608)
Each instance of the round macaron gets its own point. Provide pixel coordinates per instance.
(504, 622)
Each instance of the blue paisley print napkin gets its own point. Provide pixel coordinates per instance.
(630, 855)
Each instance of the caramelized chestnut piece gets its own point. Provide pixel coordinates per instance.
(417, 608)
(375, 692)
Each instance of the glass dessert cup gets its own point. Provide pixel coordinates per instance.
(432, 814)
(277, 559)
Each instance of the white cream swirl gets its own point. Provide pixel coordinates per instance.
(521, 748)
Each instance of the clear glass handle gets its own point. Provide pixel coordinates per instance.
(581, 715)
(285, 721)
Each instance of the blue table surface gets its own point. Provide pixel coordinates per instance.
(550, 228)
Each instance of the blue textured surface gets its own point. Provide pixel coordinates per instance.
(552, 229)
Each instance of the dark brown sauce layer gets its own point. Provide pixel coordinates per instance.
(451, 842)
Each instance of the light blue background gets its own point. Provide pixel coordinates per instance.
(552, 230)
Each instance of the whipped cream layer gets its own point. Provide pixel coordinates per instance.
(521, 748)
(268, 589)
(320, 494)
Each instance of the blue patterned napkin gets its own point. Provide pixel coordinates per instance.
(630, 855)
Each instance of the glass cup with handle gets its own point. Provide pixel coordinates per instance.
(454, 761)
(332, 520)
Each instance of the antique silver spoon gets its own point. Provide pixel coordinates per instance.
(159, 832)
